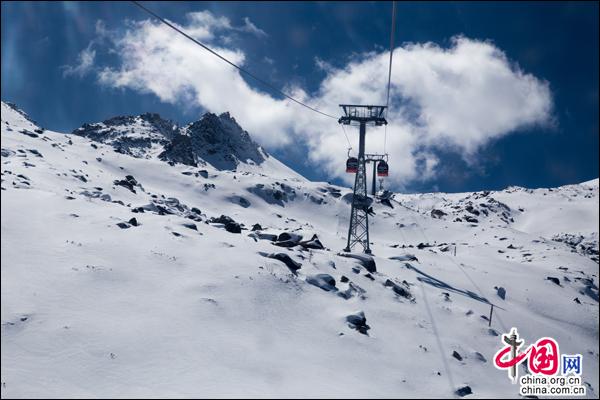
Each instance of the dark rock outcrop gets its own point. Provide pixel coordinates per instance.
(221, 141)
(230, 224)
(313, 243)
(358, 321)
(129, 183)
(365, 260)
(287, 260)
(435, 213)
(463, 391)
(179, 150)
(323, 281)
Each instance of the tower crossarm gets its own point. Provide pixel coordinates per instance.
(369, 114)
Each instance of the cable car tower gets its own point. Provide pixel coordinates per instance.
(358, 232)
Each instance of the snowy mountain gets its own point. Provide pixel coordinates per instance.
(140, 258)
(133, 135)
(218, 140)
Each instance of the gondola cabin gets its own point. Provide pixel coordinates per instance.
(382, 168)
(352, 165)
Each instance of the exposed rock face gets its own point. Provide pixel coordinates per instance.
(220, 141)
(358, 321)
(132, 135)
(229, 224)
(435, 213)
(179, 150)
(586, 245)
(323, 281)
(364, 259)
(287, 260)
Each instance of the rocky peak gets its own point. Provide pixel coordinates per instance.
(222, 142)
(131, 134)
(150, 122)
(216, 139)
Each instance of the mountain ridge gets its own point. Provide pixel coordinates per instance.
(219, 140)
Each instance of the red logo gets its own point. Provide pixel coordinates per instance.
(543, 356)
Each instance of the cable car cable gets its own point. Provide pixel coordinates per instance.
(345, 134)
(387, 104)
(229, 62)
(457, 264)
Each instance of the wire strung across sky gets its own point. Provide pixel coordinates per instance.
(387, 103)
(250, 74)
(345, 134)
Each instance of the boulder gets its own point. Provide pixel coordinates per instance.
(399, 290)
(435, 213)
(463, 391)
(323, 281)
(553, 279)
(267, 236)
(313, 243)
(129, 183)
(501, 292)
(289, 236)
(190, 225)
(405, 257)
(287, 260)
(365, 260)
(286, 243)
(229, 224)
(358, 321)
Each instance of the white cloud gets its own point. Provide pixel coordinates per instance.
(203, 24)
(458, 98)
(85, 62)
(251, 28)
(323, 65)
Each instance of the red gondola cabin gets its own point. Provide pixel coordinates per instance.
(382, 168)
(352, 165)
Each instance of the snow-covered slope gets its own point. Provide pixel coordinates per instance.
(130, 276)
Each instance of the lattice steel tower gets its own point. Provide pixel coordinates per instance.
(358, 231)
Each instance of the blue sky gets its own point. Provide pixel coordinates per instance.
(533, 124)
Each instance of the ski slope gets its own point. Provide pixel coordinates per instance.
(178, 306)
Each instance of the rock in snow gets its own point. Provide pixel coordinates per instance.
(463, 391)
(323, 281)
(553, 279)
(358, 321)
(229, 223)
(367, 261)
(405, 257)
(129, 183)
(501, 292)
(287, 260)
(313, 243)
(402, 291)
